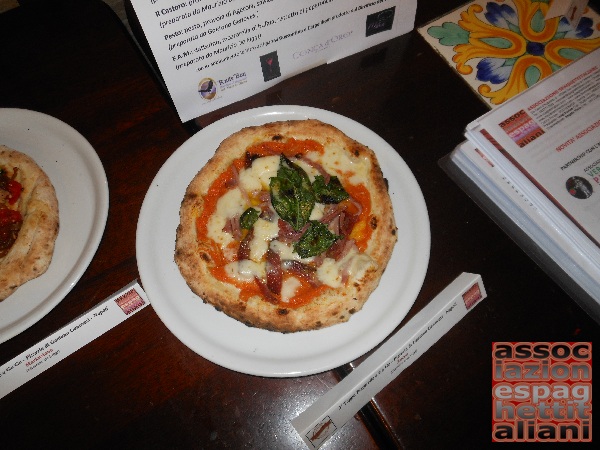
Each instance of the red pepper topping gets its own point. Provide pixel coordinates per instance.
(9, 217)
(10, 185)
(10, 224)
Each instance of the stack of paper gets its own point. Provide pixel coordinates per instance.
(536, 159)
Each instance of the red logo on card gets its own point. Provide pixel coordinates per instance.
(472, 296)
(130, 301)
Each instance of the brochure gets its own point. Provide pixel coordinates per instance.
(551, 134)
(212, 53)
(567, 254)
(533, 164)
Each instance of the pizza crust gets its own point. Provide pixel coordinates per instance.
(31, 253)
(334, 305)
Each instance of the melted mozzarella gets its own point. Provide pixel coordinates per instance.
(245, 270)
(329, 273)
(317, 212)
(354, 264)
(257, 176)
(264, 232)
(337, 160)
(286, 252)
(231, 204)
(358, 264)
(288, 288)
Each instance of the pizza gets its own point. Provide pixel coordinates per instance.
(28, 220)
(288, 227)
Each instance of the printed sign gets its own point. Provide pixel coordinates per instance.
(212, 53)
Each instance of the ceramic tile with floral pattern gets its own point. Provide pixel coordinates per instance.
(501, 47)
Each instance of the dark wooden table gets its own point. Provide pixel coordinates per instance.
(137, 386)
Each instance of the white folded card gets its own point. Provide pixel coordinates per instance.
(572, 10)
(73, 336)
(330, 412)
(213, 53)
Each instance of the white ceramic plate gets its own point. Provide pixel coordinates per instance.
(230, 343)
(80, 183)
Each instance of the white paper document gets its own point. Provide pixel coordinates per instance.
(550, 133)
(212, 53)
(572, 10)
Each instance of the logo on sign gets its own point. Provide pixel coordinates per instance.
(380, 21)
(521, 128)
(270, 66)
(207, 88)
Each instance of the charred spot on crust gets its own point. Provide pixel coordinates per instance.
(373, 222)
(191, 196)
(387, 184)
(277, 137)
(352, 310)
(205, 256)
(249, 159)
(394, 231)
(282, 311)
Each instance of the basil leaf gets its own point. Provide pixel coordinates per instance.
(315, 240)
(248, 218)
(294, 173)
(306, 203)
(330, 193)
(291, 194)
(292, 203)
(282, 198)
